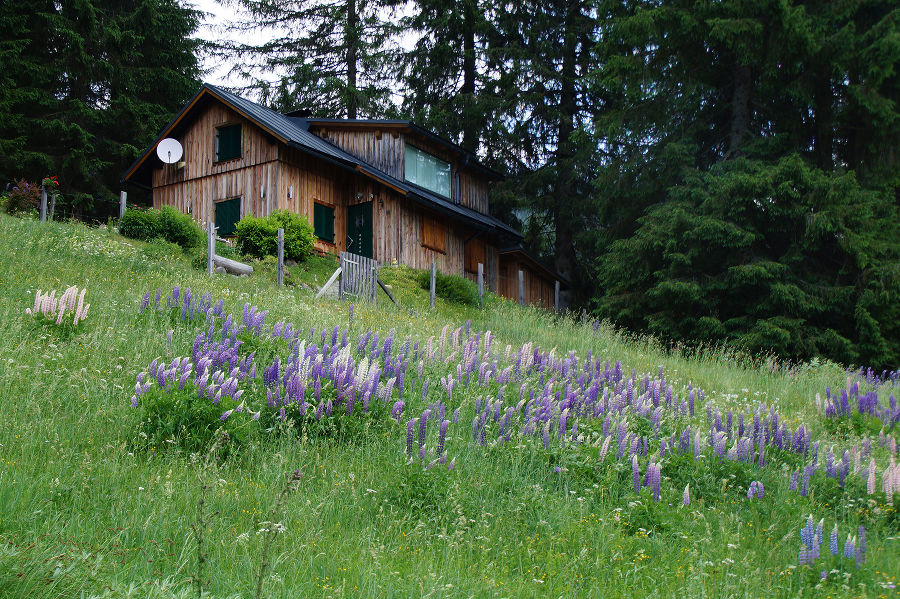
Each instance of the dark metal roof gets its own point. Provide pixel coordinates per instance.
(294, 131)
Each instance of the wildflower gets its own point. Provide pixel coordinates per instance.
(686, 500)
(833, 545)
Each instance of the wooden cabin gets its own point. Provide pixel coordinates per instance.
(539, 285)
(385, 189)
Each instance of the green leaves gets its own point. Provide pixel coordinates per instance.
(774, 256)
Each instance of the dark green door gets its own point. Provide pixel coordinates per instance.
(359, 229)
(228, 213)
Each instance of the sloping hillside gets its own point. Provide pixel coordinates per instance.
(393, 451)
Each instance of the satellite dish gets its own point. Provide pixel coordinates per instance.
(169, 150)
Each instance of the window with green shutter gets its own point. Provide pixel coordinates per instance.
(228, 142)
(323, 222)
(228, 213)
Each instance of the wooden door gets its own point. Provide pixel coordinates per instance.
(359, 229)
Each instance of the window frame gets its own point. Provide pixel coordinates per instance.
(406, 172)
(437, 241)
(240, 142)
(317, 207)
(470, 258)
(216, 203)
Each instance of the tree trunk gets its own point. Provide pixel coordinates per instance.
(467, 91)
(563, 209)
(740, 110)
(351, 37)
(824, 123)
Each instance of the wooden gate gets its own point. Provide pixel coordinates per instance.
(359, 277)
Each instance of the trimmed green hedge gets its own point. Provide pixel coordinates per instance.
(258, 237)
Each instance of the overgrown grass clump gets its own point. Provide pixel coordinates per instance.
(115, 475)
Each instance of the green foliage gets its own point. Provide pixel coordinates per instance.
(22, 197)
(179, 228)
(181, 419)
(258, 237)
(86, 86)
(140, 223)
(453, 288)
(778, 257)
(168, 224)
(299, 238)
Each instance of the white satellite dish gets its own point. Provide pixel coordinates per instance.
(169, 150)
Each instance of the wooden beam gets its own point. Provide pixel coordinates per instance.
(329, 283)
(556, 296)
(521, 288)
(385, 289)
(481, 284)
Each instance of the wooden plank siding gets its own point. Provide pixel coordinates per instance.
(385, 149)
(376, 147)
(269, 175)
(202, 181)
(538, 288)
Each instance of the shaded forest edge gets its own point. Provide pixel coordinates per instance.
(718, 173)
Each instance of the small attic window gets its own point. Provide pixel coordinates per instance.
(228, 142)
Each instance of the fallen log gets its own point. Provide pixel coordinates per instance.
(232, 266)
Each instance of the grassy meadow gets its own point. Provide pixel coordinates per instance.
(528, 490)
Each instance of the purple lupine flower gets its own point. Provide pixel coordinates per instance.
(833, 545)
(801, 558)
(861, 547)
(686, 498)
(794, 478)
(225, 415)
(423, 426)
(849, 550)
(452, 464)
(751, 491)
(410, 435)
(442, 436)
(397, 410)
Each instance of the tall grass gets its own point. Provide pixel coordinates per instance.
(85, 512)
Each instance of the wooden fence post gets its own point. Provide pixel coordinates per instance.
(521, 288)
(433, 282)
(556, 296)
(280, 257)
(210, 246)
(481, 284)
(123, 200)
(43, 203)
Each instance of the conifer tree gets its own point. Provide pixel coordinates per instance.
(331, 58)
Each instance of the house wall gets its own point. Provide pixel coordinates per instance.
(202, 181)
(385, 149)
(270, 176)
(538, 289)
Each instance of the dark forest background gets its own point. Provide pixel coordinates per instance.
(717, 172)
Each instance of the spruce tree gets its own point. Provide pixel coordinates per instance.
(331, 58)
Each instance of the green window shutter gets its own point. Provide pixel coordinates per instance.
(228, 213)
(228, 140)
(323, 222)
